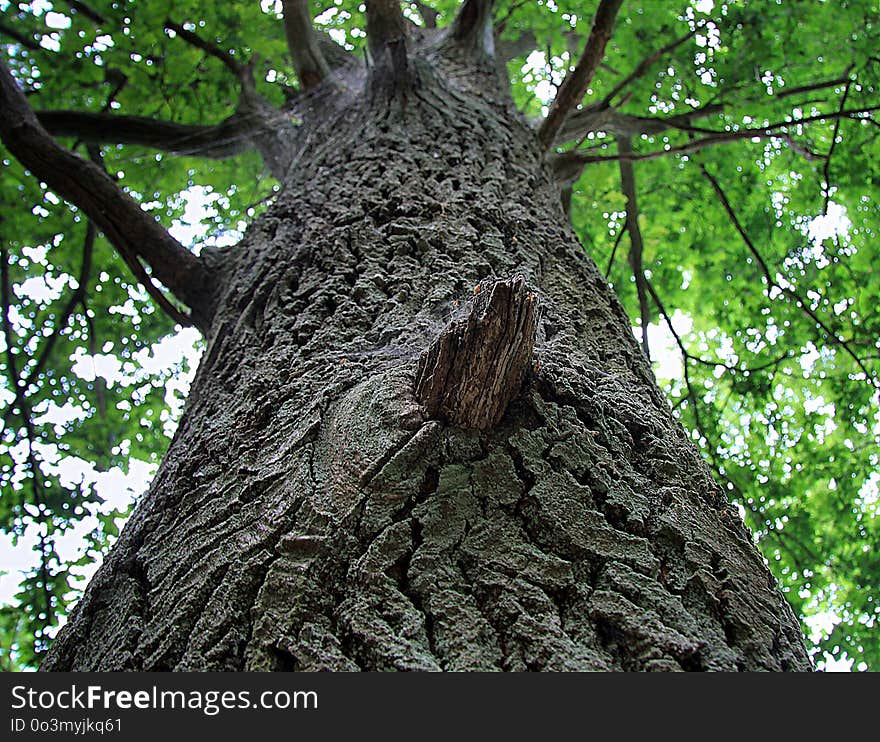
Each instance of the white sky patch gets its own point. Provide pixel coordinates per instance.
(57, 20)
(117, 488)
(37, 7)
(36, 254)
(338, 35)
(42, 289)
(326, 16)
(197, 208)
(50, 43)
(665, 355)
(833, 224)
(840, 664)
(534, 75)
(15, 560)
(161, 358)
(809, 355)
(100, 365)
(704, 6)
(51, 413)
(102, 43)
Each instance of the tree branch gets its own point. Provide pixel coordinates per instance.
(131, 230)
(268, 125)
(472, 26)
(26, 42)
(628, 186)
(603, 117)
(507, 49)
(210, 48)
(614, 250)
(646, 64)
(387, 39)
(789, 293)
(827, 169)
(385, 25)
(93, 15)
(428, 14)
(302, 43)
(226, 139)
(685, 357)
(566, 162)
(576, 83)
(596, 118)
(788, 92)
(21, 386)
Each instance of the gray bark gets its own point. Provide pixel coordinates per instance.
(309, 516)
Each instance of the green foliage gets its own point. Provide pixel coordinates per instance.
(782, 411)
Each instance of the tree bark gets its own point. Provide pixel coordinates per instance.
(311, 515)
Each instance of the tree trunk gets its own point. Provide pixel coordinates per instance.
(310, 516)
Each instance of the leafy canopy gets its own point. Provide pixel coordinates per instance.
(749, 131)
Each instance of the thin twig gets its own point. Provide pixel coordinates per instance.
(786, 291)
(22, 385)
(209, 47)
(37, 487)
(645, 65)
(827, 170)
(614, 250)
(628, 186)
(722, 137)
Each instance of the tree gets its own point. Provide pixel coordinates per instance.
(342, 491)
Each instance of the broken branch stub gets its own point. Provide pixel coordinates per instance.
(478, 363)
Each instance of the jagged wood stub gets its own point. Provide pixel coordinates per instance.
(477, 365)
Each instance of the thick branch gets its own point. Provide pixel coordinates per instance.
(628, 186)
(576, 83)
(507, 49)
(472, 26)
(93, 15)
(387, 47)
(26, 41)
(428, 14)
(131, 230)
(477, 365)
(386, 27)
(600, 118)
(335, 55)
(302, 43)
(226, 139)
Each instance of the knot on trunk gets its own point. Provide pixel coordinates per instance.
(477, 364)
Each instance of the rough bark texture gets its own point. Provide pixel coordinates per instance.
(309, 516)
